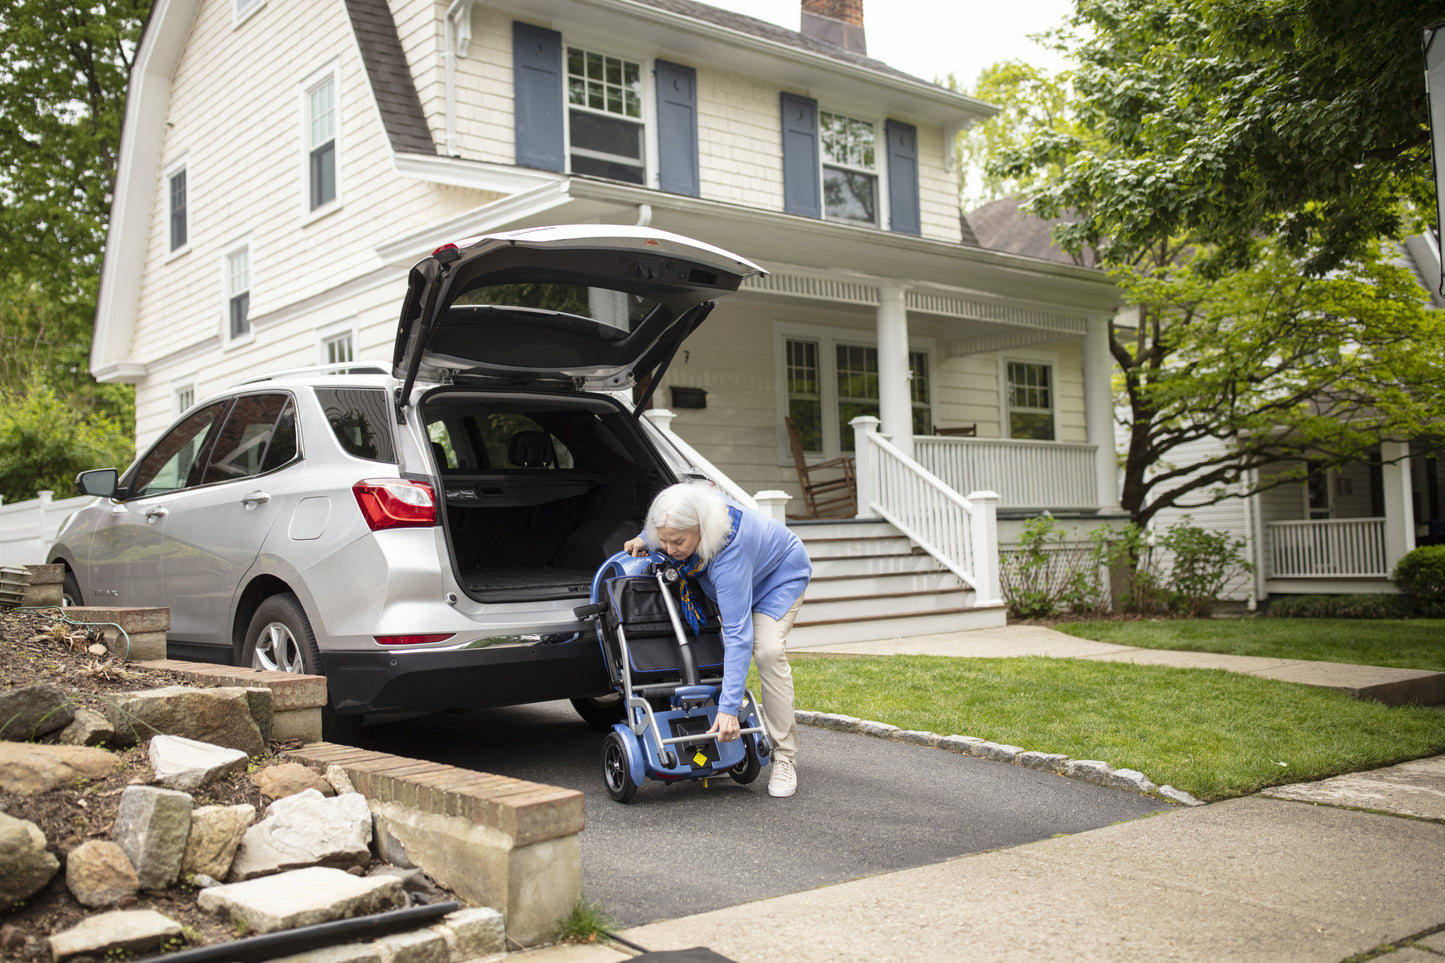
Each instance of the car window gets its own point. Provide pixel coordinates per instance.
(254, 426)
(173, 461)
(360, 418)
(506, 440)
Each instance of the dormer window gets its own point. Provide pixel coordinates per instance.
(604, 100)
(850, 168)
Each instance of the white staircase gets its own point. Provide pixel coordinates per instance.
(870, 582)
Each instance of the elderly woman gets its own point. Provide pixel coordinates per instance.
(756, 570)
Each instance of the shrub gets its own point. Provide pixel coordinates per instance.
(1047, 575)
(1203, 563)
(1421, 574)
(1336, 607)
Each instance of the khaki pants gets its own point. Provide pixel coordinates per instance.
(770, 637)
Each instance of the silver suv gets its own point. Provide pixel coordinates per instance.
(419, 535)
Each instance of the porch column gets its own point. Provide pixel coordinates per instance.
(895, 403)
(1399, 508)
(1099, 410)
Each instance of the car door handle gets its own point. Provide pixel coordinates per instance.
(252, 499)
(157, 511)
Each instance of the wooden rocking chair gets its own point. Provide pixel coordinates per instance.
(829, 488)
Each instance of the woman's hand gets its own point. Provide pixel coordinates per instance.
(635, 547)
(725, 727)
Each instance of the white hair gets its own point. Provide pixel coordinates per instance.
(690, 507)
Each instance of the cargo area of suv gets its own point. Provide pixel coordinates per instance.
(537, 489)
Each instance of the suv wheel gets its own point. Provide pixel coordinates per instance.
(280, 638)
(70, 591)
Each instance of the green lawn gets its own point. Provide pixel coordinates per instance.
(1212, 733)
(1404, 644)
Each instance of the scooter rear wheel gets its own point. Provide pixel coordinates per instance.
(747, 770)
(615, 772)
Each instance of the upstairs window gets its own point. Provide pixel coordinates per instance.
(850, 168)
(180, 234)
(1030, 401)
(321, 143)
(337, 349)
(238, 292)
(604, 100)
(185, 396)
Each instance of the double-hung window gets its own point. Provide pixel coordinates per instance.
(1030, 391)
(320, 125)
(337, 349)
(829, 382)
(604, 116)
(238, 292)
(850, 168)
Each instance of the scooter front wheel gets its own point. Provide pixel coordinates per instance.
(615, 771)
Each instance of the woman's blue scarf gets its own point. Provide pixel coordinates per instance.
(692, 566)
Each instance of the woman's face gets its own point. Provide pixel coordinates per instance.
(677, 542)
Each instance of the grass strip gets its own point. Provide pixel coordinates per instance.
(1212, 733)
(1397, 643)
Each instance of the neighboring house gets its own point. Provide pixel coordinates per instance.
(284, 163)
(1340, 530)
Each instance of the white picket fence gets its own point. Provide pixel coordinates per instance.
(28, 528)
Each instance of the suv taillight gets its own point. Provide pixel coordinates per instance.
(395, 503)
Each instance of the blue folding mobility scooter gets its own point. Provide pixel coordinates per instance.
(669, 678)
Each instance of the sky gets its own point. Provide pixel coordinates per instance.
(929, 38)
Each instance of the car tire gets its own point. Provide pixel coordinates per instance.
(279, 638)
(601, 712)
(70, 591)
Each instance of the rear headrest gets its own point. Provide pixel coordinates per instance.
(532, 449)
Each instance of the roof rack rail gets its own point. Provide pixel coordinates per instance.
(342, 368)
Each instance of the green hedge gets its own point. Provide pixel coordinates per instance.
(1421, 575)
(1338, 607)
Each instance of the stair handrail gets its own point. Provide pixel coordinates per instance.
(961, 533)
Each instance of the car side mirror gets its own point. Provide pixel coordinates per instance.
(101, 481)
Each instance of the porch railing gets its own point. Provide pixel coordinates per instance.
(1327, 548)
(1030, 474)
(962, 533)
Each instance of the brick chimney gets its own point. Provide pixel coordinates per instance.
(838, 22)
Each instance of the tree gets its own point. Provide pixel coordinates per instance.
(44, 442)
(1244, 197)
(63, 74)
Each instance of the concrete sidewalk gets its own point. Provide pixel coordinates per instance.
(1290, 874)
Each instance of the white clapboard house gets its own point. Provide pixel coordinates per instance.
(284, 162)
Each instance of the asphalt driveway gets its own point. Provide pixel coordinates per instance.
(864, 806)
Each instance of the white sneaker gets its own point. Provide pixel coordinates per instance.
(784, 780)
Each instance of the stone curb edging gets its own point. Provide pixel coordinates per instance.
(1087, 770)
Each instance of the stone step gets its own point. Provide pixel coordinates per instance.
(823, 529)
(894, 544)
(882, 606)
(883, 583)
(893, 625)
(865, 565)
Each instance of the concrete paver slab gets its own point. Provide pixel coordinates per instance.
(1415, 788)
(1246, 664)
(1242, 880)
(1007, 641)
(1388, 685)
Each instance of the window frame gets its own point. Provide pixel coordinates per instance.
(332, 333)
(243, 10)
(228, 294)
(607, 46)
(329, 74)
(878, 173)
(178, 167)
(1042, 359)
(828, 338)
(183, 397)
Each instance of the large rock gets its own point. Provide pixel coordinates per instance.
(216, 833)
(99, 874)
(25, 864)
(32, 711)
(289, 778)
(151, 826)
(182, 763)
(27, 767)
(306, 829)
(88, 728)
(114, 934)
(218, 716)
(302, 897)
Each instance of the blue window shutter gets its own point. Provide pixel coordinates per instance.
(677, 129)
(903, 178)
(802, 187)
(537, 79)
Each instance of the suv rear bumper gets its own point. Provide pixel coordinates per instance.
(499, 675)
